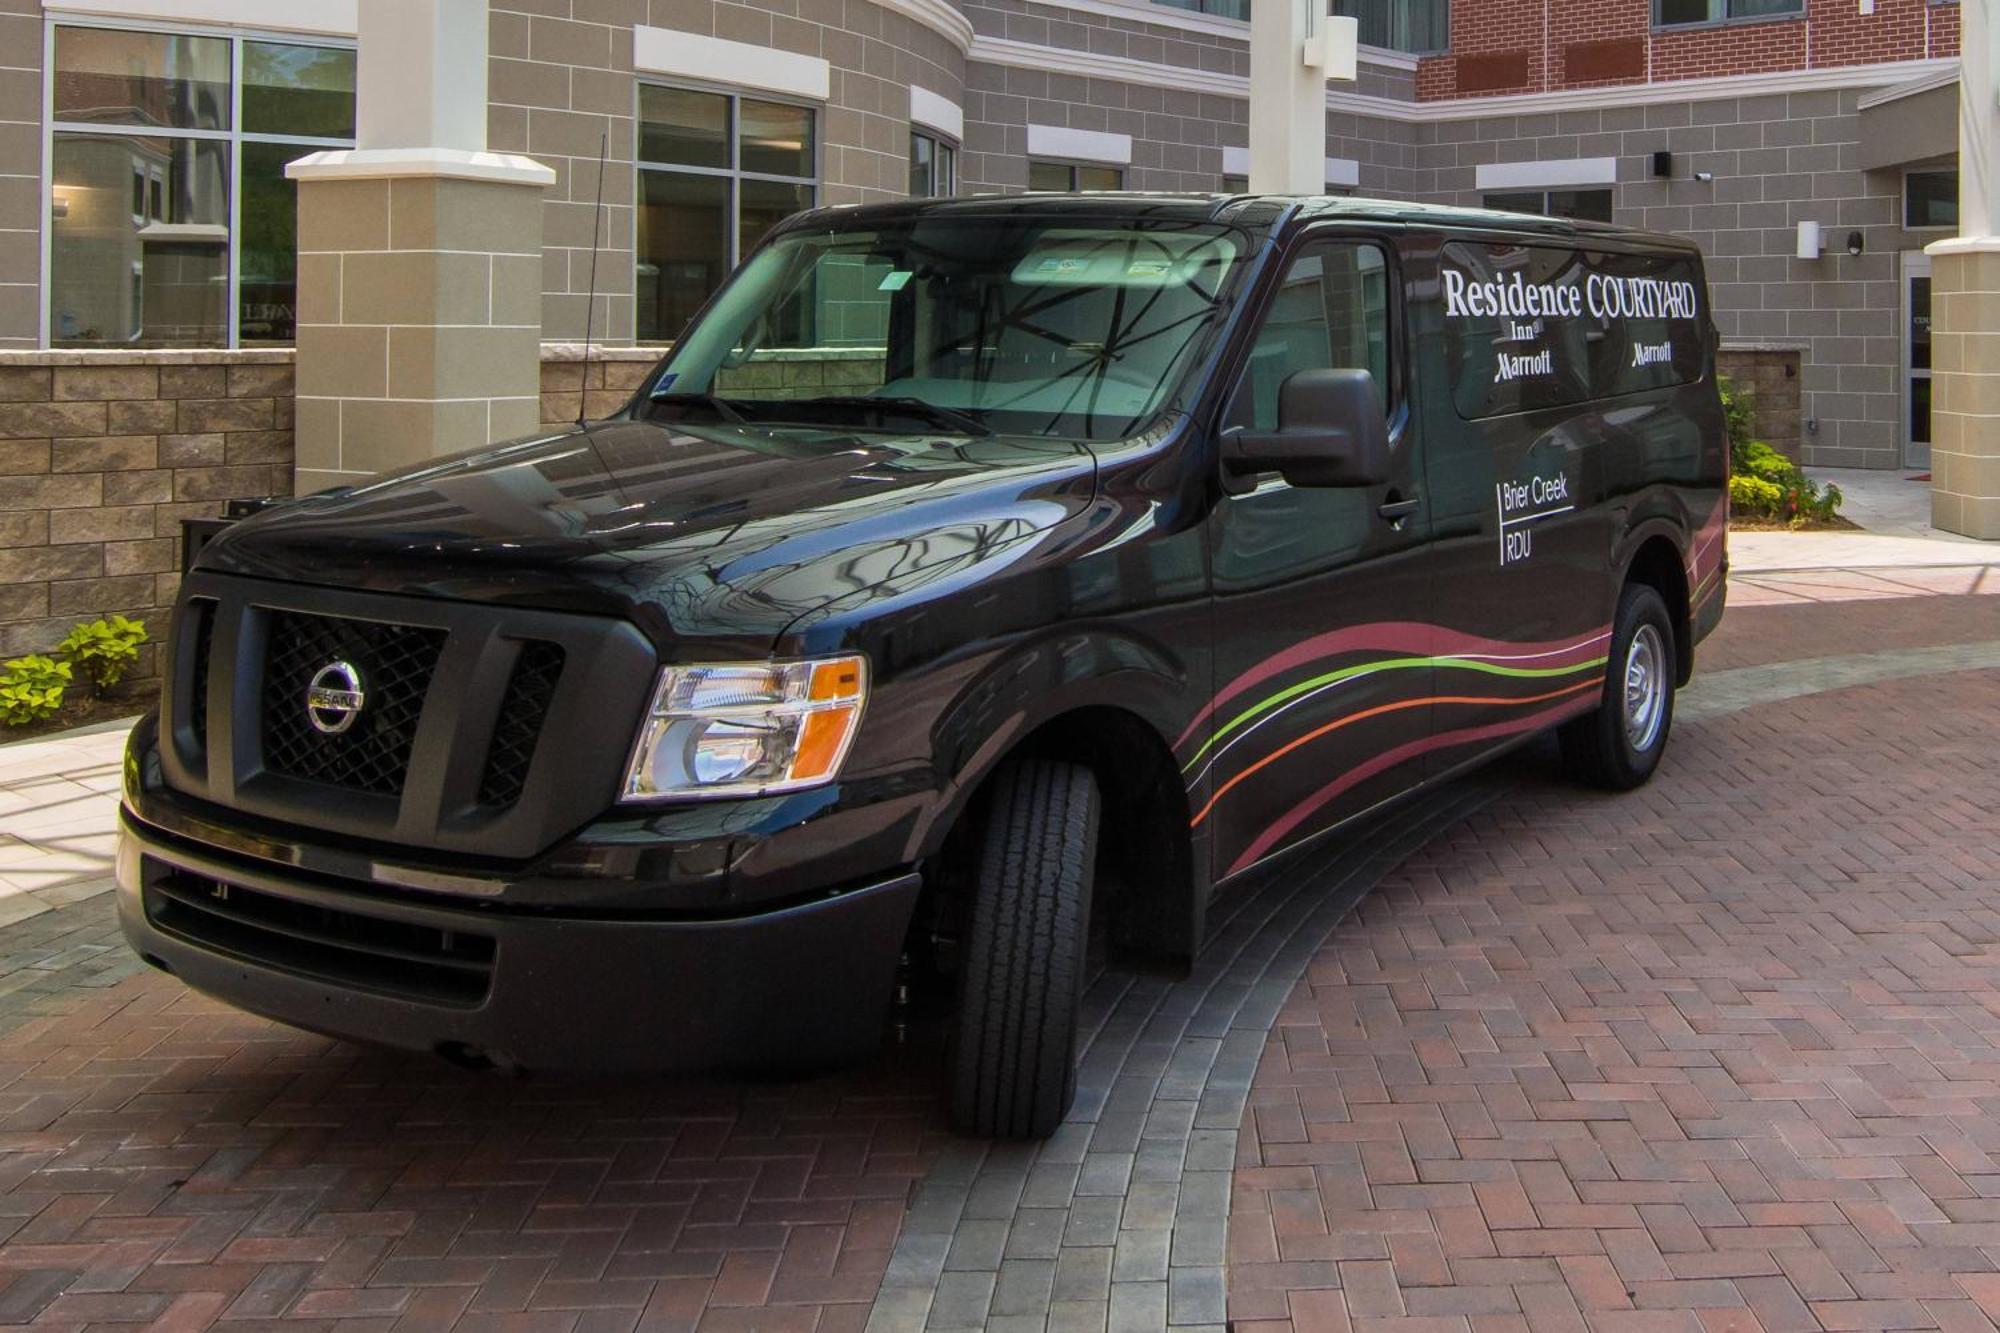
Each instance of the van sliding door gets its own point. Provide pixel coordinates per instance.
(1321, 594)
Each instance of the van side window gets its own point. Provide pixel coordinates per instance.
(1540, 326)
(1331, 313)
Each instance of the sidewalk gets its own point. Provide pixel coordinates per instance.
(58, 806)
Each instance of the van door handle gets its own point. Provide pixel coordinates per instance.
(1398, 510)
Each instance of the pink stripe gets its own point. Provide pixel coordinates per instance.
(1388, 759)
(1402, 637)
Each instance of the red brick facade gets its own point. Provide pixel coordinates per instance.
(1522, 46)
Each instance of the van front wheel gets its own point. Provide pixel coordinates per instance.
(1013, 1066)
(1618, 746)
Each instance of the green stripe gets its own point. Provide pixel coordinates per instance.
(1386, 664)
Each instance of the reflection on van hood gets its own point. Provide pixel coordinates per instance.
(714, 531)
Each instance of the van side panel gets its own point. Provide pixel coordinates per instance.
(1573, 402)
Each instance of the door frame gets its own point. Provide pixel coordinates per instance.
(1914, 264)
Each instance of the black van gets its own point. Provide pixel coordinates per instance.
(977, 583)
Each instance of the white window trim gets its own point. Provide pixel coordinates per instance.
(1582, 171)
(1095, 147)
(674, 54)
(938, 114)
(235, 137)
(327, 18)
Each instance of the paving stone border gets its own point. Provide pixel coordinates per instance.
(1119, 1220)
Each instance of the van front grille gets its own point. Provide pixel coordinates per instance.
(351, 948)
(395, 664)
(529, 693)
(201, 615)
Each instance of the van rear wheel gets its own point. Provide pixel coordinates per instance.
(1618, 746)
(1013, 1066)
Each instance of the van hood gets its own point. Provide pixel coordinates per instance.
(727, 531)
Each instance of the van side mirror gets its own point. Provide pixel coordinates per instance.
(1331, 432)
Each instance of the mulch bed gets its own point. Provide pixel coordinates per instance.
(1834, 524)
(81, 710)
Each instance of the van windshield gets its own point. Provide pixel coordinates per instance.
(958, 326)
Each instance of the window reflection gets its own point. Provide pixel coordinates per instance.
(106, 76)
(155, 276)
(302, 91)
(145, 165)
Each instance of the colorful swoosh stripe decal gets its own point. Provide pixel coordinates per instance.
(1434, 700)
(1402, 638)
(1560, 677)
(1272, 836)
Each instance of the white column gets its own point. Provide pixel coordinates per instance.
(1287, 98)
(423, 82)
(1979, 119)
(420, 259)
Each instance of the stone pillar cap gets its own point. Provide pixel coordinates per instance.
(397, 163)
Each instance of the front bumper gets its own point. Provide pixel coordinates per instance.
(803, 984)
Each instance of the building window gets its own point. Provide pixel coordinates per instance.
(1581, 205)
(1241, 185)
(1415, 26)
(716, 172)
(933, 167)
(1930, 200)
(1063, 177)
(1228, 9)
(1669, 13)
(200, 249)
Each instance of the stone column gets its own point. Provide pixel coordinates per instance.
(1295, 47)
(420, 260)
(1965, 299)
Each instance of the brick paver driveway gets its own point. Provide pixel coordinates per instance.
(1723, 1054)
(1718, 1055)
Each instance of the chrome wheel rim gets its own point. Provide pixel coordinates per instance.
(1646, 688)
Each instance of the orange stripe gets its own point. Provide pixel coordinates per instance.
(1377, 711)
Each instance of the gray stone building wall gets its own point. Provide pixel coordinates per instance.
(1777, 161)
(21, 208)
(562, 77)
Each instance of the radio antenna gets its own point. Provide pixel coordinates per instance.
(596, 244)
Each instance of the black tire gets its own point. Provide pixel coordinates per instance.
(1013, 1065)
(1599, 748)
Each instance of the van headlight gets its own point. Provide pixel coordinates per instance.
(747, 729)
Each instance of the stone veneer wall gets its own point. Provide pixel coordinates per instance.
(101, 456)
(1770, 375)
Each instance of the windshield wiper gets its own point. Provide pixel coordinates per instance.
(949, 417)
(722, 407)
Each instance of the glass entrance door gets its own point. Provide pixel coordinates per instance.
(1917, 357)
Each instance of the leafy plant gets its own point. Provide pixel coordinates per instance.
(105, 649)
(1763, 483)
(31, 689)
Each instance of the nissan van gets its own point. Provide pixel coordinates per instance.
(976, 590)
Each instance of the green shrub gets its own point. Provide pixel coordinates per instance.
(1754, 495)
(1763, 483)
(31, 689)
(105, 649)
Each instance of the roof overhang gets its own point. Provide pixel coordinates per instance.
(1909, 122)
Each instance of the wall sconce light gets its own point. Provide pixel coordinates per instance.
(1854, 243)
(1809, 246)
(58, 205)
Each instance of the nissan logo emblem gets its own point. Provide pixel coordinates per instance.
(334, 699)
